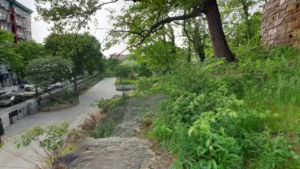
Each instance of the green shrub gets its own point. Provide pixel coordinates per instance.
(104, 130)
(231, 115)
(108, 102)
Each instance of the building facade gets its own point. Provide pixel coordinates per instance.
(15, 18)
(280, 23)
(120, 57)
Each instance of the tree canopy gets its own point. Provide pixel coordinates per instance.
(7, 53)
(42, 71)
(139, 21)
(29, 50)
(82, 49)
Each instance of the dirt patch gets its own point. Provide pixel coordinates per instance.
(55, 108)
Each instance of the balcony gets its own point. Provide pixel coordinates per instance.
(18, 12)
(21, 36)
(3, 17)
(19, 24)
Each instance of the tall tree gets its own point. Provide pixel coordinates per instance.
(82, 49)
(29, 50)
(237, 18)
(7, 54)
(42, 71)
(195, 31)
(77, 14)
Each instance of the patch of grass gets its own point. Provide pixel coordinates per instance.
(126, 81)
(108, 102)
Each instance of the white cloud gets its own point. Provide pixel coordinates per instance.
(40, 28)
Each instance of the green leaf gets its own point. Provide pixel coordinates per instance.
(214, 164)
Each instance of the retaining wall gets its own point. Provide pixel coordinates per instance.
(280, 22)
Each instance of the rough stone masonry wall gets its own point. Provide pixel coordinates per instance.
(280, 22)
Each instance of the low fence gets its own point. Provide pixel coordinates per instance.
(80, 85)
(21, 110)
(18, 112)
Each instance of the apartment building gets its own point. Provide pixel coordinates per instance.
(120, 57)
(15, 18)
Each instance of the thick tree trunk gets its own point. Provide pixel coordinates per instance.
(217, 35)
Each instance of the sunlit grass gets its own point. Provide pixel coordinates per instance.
(126, 81)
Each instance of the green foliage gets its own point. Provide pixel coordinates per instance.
(146, 117)
(108, 102)
(100, 103)
(127, 81)
(109, 73)
(82, 49)
(53, 140)
(104, 130)
(231, 115)
(159, 56)
(29, 50)
(132, 64)
(123, 71)
(42, 71)
(144, 71)
(66, 98)
(7, 54)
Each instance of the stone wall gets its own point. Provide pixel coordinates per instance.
(280, 22)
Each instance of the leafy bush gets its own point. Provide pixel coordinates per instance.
(132, 64)
(144, 71)
(231, 115)
(108, 103)
(104, 130)
(109, 73)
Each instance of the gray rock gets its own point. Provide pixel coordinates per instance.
(115, 153)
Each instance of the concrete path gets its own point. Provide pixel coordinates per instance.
(11, 158)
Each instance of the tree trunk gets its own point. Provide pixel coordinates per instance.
(217, 35)
(120, 80)
(246, 16)
(189, 54)
(75, 83)
(198, 43)
(76, 94)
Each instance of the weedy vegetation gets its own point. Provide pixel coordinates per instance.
(230, 115)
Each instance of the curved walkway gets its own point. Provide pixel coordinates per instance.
(11, 158)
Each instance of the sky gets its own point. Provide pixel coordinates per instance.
(40, 28)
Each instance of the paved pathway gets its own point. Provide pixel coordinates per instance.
(11, 158)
